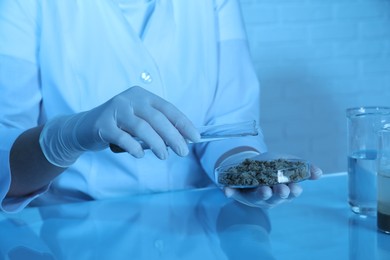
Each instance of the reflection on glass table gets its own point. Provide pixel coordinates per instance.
(320, 225)
(179, 225)
(197, 224)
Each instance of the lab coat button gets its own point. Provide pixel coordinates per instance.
(146, 77)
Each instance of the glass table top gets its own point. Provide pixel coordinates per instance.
(197, 224)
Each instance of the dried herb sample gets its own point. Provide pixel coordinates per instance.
(253, 173)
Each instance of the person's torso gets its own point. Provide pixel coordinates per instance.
(89, 52)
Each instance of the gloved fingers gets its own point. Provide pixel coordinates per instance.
(187, 129)
(124, 140)
(265, 196)
(295, 190)
(280, 193)
(264, 192)
(164, 128)
(283, 193)
(178, 119)
(281, 190)
(316, 172)
(287, 191)
(138, 127)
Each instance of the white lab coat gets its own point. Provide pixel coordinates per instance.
(63, 57)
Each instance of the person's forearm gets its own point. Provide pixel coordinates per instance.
(30, 169)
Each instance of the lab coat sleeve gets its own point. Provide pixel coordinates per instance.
(237, 97)
(19, 87)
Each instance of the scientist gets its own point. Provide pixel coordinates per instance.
(76, 76)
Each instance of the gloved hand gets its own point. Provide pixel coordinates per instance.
(132, 113)
(265, 196)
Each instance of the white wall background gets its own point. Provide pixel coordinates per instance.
(315, 58)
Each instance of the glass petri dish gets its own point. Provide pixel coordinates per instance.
(253, 173)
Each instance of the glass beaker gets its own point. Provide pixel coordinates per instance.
(363, 126)
(383, 181)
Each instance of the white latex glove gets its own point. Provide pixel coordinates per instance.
(132, 113)
(266, 196)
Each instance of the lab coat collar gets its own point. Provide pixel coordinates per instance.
(160, 28)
